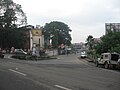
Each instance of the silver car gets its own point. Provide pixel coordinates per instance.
(20, 51)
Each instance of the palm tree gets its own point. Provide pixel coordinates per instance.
(90, 41)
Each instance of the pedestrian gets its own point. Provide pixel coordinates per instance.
(34, 53)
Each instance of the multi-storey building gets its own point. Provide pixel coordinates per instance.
(114, 27)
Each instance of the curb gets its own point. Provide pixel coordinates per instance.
(87, 59)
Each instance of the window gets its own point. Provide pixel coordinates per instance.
(106, 56)
(102, 57)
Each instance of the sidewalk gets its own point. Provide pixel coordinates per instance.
(51, 52)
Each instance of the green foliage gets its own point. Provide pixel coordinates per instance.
(110, 43)
(58, 32)
(29, 57)
(16, 38)
(90, 42)
(11, 18)
(11, 15)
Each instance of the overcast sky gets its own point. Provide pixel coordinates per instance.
(84, 17)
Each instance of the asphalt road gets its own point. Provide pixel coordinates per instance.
(64, 73)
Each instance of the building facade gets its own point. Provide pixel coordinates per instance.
(36, 38)
(114, 27)
(78, 46)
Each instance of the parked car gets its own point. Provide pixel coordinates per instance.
(20, 51)
(1, 53)
(83, 54)
(108, 59)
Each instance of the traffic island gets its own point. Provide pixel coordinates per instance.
(30, 57)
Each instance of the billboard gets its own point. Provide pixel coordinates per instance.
(36, 32)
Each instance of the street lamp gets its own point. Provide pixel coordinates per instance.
(57, 34)
(51, 36)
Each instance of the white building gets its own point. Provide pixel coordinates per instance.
(36, 38)
(114, 27)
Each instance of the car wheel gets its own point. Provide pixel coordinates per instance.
(106, 65)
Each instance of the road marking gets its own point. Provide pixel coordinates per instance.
(17, 72)
(61, 87)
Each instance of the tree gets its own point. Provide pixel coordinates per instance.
(110, 43)
(11, 15)
(11, 18)
(90, 41)
(58, 32)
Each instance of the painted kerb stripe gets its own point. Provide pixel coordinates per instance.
(61, 87)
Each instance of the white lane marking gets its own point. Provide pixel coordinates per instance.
(17, 72)
(61, 87)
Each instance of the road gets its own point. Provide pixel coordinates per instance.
(64, 73)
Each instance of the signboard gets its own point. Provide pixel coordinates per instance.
(36, 32)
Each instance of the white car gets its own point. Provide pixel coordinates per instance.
(108, 59)
(20, 51)
(83, 55)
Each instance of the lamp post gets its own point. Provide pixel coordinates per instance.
(51, 36)
(66, 47)
(57, 30)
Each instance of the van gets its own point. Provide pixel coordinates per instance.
(107, 60)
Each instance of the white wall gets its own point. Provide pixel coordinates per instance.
(35, 39)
